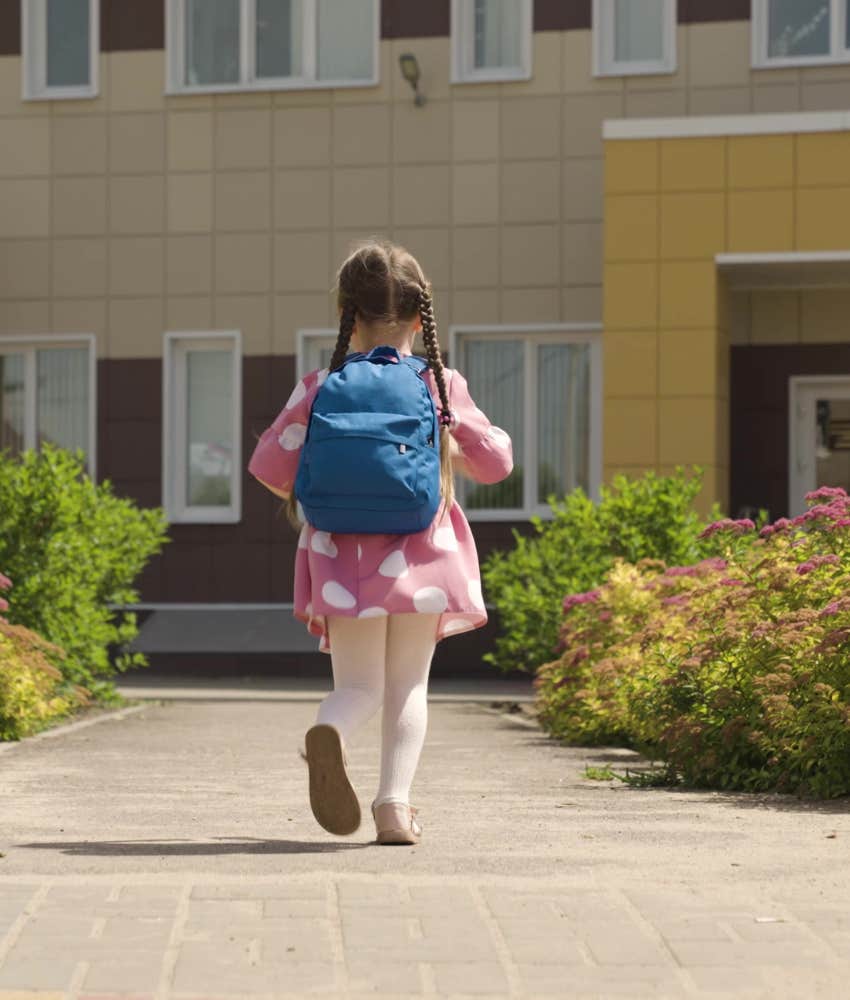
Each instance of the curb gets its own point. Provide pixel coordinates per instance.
(69, 727)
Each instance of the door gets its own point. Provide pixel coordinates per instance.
(820, 436)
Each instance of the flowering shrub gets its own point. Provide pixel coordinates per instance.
(734, 671)
(32, 691)
(633, 518)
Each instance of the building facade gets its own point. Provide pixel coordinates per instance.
(637, 260)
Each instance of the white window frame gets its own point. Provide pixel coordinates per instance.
(34, 51)
(604, 63)
(463, 41)
(838, 52)
(308, 344)
(28, 345)
(174, 427)
(175, 48)
(534, 334)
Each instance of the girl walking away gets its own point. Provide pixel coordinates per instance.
(386, 565)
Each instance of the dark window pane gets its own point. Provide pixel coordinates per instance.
(68, 56)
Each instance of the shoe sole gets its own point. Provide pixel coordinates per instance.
(397, 837)
(332, 799)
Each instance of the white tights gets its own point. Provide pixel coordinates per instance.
(383, 661)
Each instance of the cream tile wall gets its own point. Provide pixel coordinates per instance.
(135, 212)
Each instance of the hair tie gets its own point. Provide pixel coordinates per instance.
(447, 418)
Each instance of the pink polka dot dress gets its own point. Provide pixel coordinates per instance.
(433, 571)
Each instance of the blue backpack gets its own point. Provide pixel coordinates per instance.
(371, 457)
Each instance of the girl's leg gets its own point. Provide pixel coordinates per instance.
(410, 646)
(358, 653)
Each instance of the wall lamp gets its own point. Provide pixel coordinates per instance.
(410, 71)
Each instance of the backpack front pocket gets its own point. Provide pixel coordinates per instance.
(363, 455)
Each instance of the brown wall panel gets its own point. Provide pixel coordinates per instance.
(10, 27)
(415, 18)
(132, 24)
(562, 15)
(702, 11)
(759, 417)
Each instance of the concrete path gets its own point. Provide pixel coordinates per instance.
(171, 853)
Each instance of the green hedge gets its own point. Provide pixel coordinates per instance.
(651, 516)
(734, 672)
(73, 547)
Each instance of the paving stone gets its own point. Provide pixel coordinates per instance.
(296, 889)
(35, 972)
(129, 972)
(692, 929)
(295, 908)
(470, 977)
(547, 950)
(393, 978)
(567, 981)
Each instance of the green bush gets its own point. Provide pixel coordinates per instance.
(33, 694)
(72, 548)
(652, 516)
(734, 672)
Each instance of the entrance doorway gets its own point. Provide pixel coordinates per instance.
(819, 454)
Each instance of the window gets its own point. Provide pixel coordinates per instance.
(47, 393)
(220, 45)
(61, 43)
(631, 37)
(491, 40)
(800, 32)
(314, 350)
(543, 385)
(202, 427)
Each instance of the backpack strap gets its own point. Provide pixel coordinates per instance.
(416, 363)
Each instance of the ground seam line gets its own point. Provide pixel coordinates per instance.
(175, 939)
(14, 932)
(682, 974)
(515, 986)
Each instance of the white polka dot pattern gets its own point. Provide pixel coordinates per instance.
(323, 374)
(499, 436)
(373, 613)
(430, 600)
(293, 437)
(337, 596)
(456, 625)
(444, 538)
(322, 543)
(475, 595)
(302, 537)
(298, 393)
(394, 566)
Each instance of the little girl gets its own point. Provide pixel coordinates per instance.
(380, 602)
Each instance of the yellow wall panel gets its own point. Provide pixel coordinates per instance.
(631, 296)
(761, 221)
(630, 362)
(693, 164)
(688, 292)
(630, 432)
(761, 161)
(823, 158)
(631, 227)
(688, 430)
(688, 363)
(631, 165)
(823, 218)
(692, 225)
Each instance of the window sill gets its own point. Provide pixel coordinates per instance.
(508, 516)
(500, 76)
(203, 517)
(63, 94)
(657, 69)
(266, 86)
(792, 63)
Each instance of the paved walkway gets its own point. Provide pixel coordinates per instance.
(171, 853)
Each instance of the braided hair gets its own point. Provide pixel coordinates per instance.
(435, 363)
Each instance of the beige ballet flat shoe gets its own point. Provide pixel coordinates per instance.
(395, 823)
(332, 799)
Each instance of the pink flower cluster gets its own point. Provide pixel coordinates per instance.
(739, 527)
(5, 583)
(827, 493)
(835, 607)
(815, 562)
(586, 598)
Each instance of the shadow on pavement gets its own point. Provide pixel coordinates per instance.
(189, 848)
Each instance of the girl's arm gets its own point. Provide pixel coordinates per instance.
(274, 462)
(486, 451)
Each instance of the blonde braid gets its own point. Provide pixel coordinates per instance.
(435, 363)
